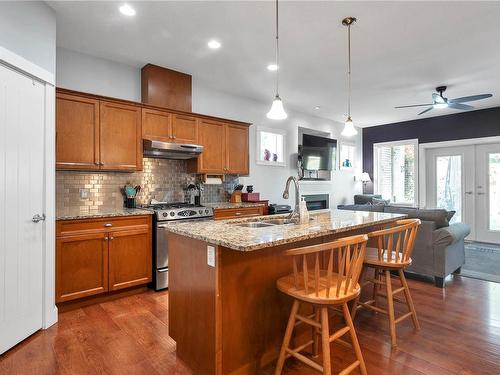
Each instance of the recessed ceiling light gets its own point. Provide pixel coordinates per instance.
(214, 44)
(272, 67)
(317, 107)
(127, 10)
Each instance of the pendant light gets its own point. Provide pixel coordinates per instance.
(349, 129)
(277, 112)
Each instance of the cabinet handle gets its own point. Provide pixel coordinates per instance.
(237, 213)
(111, 238)
(108, 225)
(174, 137)
(106, 238)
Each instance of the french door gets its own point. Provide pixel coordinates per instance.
(466, 179)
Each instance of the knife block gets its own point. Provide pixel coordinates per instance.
(236, 197)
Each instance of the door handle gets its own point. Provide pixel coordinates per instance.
(481, 193)
(469, 192)
(37, 218)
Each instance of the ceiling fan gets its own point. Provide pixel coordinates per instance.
(439, 101)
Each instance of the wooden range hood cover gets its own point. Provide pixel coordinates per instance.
(162, 87)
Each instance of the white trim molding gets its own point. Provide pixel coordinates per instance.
(19, 63)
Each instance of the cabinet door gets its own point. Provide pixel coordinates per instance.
(184, 129)
(120, 137)
(237, 149)
(130, 257)
(156, 125)
(77, 132)
(211, 137)
(81, 266)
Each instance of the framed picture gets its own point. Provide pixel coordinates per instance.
(271, 147)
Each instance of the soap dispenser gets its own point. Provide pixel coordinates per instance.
(304, 212)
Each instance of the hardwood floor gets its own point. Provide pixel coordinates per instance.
(460, 335)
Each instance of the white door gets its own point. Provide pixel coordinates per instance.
(488, 193)
(450, 182)
(22, 111)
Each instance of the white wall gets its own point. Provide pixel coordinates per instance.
(29, 30)
(91, 74)
(81, 72)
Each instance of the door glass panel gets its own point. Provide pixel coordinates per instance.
(449, 185)
(494, 190)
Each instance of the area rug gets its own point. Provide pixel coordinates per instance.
(482, 261)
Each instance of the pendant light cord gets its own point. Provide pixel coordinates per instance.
(277, 51)
(349, 71)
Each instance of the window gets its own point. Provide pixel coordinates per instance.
(347, 155)
(395, 171)
(271, 147)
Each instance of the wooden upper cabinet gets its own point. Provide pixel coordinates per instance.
(81, 266)
(211, 135)
(120, 136)
(184, 129)
(130, 258)
(156, 125)
(237, 149)
(77, 132)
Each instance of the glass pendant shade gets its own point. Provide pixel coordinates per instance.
(349, 129)
(277, 112)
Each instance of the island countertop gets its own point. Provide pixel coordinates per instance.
(228, 234)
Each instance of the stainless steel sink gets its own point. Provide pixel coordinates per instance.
(255, 224)
(280, 221)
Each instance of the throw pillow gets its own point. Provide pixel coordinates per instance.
(380, 202)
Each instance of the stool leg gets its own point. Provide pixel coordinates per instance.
(356, 300)
(409, 300)
(325, 341)
(390, 308)
(376, 276)
(286, 339)
(315, 331)
(354, 339)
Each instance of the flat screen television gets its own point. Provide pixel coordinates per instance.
(317, 153)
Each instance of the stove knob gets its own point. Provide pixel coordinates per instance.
(172, 213)
(206, 211)
(200, 212)
(165, 214)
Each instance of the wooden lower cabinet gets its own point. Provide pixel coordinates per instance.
(130, 258)
(96, 256)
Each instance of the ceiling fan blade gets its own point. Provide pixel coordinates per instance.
(463, 107)
(413, 105)
(425, 110)
(470, 98)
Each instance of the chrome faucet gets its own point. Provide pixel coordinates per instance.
(286, 194)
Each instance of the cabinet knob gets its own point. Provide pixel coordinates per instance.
(174, 137)
(106, 238)
(108, 225)
(111, 238)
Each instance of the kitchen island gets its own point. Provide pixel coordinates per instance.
(225, 313)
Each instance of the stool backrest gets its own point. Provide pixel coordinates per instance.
(347, 253)
(396, 244)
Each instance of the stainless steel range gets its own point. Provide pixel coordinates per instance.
(165, 213)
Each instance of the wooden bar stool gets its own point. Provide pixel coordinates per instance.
(393, 253)
(323, 288)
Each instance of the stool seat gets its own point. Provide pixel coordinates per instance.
(325, 296)
(372, 258)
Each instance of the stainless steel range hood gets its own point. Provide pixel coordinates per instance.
(169, 150)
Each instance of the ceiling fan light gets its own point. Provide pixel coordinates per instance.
(277, 112)
(440, 105)
(349, 129)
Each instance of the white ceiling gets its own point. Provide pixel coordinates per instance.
(401, 50)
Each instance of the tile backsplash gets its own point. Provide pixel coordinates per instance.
(161, 179)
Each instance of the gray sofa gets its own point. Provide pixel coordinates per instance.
(439, 246)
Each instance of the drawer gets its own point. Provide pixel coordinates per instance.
(70, 227)
(232, 213)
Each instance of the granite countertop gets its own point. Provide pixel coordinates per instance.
(75, 213)
(225, 205)
(226, 234)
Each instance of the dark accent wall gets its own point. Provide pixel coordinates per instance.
(474, 124)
